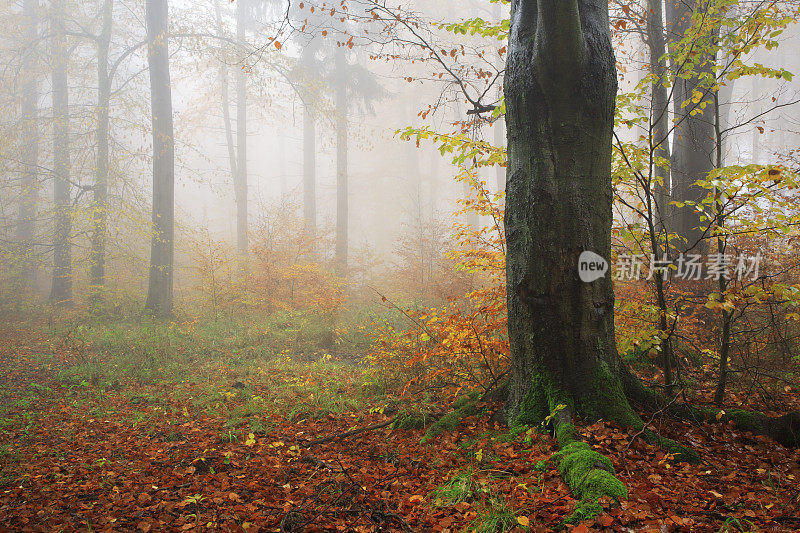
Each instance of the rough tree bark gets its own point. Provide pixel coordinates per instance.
(26, 223)
(160, 288)
(693, 138)
(100, 203)
(560, 91)
(342, 200)
(61, 288)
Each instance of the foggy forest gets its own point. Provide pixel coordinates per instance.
(431, 266)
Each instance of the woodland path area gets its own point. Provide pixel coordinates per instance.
(158, 457)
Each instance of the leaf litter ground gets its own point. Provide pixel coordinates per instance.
(160, 457)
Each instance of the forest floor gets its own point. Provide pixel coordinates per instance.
(228, 449)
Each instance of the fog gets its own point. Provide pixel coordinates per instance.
(317, 94)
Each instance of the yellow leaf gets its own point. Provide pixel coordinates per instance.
(523, 521)
(251, 439)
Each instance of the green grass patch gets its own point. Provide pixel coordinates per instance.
(461, 487)
(494, 516)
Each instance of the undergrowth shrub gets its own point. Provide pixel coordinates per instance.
(461, 344)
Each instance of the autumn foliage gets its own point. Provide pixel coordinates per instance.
(286, 270)
(461, 345)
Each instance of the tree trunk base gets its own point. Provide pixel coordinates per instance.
(589, 474)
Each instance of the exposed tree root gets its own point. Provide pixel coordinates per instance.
(785, 429)
(680, 452)
(589, 474)
(466, 406)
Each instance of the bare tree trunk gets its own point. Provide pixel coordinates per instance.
(412, 163)
(282, 168)
(226, 102)
(241, 135)
(758, 138)
(100, 204)
(309, 172)
(658, 204)
(725, 97)
(162, 250)
(722, 283)
(470, 217)
(342, 200)
(659, 112)
(61, 289)
(499, 125)
(693, 139)
(26, 224)
(433, 186)
(500, 142)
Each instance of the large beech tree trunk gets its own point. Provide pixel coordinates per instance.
(560, 91)
(26, 223)
(159, 293)
(61, 288)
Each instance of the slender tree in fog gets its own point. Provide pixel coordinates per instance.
(308, 69)
(240, 184)
(308, 63)
(659, 105)
(160, 287)
(342, 199)
(693, 139)
(61, 289)
(351, 82)
(226, 105)
(100, 204)
(26, 223)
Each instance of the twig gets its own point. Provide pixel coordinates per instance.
(349, 433)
